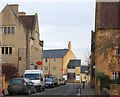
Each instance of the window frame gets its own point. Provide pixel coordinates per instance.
(114, 75)
(54, 68)
(46, 68)
(8, 30)
(54, 60)
(46, 60)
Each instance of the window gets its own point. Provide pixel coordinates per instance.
(1, 30)
(54, 68)
(46, 60)
(13, 30)
(54, 60)
(6, 50)
(8, 30)
(10, 50)
(5, 30)
(46, 68)
(114, 75)
(119, 75)
(3, 50)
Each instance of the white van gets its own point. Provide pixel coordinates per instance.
(37, 77)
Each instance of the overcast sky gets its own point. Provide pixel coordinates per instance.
(61, 21)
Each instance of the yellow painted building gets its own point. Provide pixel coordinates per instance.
(55, 61)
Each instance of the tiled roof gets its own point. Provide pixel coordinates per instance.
(84, 68)
(74, 63)
(58, 53)
(28, 20)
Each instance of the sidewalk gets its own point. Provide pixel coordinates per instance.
(88, 91)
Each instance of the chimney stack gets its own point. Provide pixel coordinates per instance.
(69, 46)
(21, 13)
(14, 7)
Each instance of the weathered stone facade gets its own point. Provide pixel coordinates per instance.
(20, 37)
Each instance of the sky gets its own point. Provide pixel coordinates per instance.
(61, 21)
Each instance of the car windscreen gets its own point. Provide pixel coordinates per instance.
(20, 81)
(48, 80)
(32, 76)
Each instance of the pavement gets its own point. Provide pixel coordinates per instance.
(88, 90)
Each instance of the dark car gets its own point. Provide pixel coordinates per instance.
(55, 81)
(20, 86)
(49, 82)
(62, 81)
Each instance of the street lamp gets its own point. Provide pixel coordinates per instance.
(18, 59)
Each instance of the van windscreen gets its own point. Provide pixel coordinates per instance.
(32, 76)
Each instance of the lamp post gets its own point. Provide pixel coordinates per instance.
(49, 62)
(18, 59)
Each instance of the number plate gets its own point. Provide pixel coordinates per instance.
(16, 86)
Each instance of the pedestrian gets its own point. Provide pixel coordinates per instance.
(83, 84)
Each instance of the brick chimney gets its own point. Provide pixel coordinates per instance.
(69, 46)
(14, 7)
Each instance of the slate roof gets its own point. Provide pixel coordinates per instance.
(58, 53)
(84, 68)
(28, 20)
(74, 63)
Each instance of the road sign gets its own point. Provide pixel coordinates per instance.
(39, 63)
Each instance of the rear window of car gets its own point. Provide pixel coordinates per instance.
(60, 79)
(21, 81)
(49, 80)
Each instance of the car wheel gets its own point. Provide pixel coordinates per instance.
(28, 92)
(34, 91)
(53, 86)
(10, 93)
(41, 89)
(44, 88)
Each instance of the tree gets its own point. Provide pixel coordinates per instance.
(9, 70)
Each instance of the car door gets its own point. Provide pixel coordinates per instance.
(30, 85)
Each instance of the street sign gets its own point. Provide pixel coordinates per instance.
(31, 64)
(39, 63)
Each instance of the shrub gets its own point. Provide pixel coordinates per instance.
(104, 81)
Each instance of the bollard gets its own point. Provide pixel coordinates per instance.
(79, 91)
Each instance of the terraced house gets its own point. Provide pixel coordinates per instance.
(21, 46)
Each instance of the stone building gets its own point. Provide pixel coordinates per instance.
(105, 40)
(57, 60)
(21, 45)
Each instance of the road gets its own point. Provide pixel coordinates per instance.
(68, 90)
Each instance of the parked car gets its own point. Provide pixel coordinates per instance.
(37, 77)
(49, 83)
(55, 80)
(1, 91)
(20, 86)
(62, 81)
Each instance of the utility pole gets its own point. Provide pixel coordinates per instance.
(49, 62)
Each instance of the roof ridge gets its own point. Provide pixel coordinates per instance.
(55, 49)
